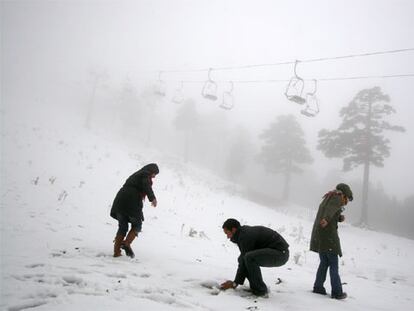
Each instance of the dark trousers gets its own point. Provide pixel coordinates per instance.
(328, 260)
(265, 257)
(123, 222)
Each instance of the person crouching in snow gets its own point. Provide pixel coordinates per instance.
(259, 247)
(127, 207)
(325, 239)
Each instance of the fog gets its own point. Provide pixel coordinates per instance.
(94, 64)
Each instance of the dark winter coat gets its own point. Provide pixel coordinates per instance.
(128, 200)
(327, 239)
(249, 238)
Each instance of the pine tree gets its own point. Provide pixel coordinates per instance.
(359, 140)
(284, 149)
(239, 152)
(186, 121)
(97, 76)
(150, 101)
(129, 108)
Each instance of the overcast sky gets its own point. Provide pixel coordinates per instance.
(47, 44)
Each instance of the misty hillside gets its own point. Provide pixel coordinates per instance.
(56, 236)
(252, 110)
(276, 109)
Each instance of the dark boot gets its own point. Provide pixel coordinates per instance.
(117, 245)
(321, 290)
(126, 245)
(339, 296)
(263, 294)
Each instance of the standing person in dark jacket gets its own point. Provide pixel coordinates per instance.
(325, 239)
(127, 207)
(259, 247)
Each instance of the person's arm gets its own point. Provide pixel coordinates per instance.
(246, 244)
(241, 273)
(240, 277)
(146, 183)
(332, 208)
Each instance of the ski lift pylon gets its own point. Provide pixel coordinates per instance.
(312, 106)
(295, 87)
(160, 87)
(178, 97)
(228, 99)
(210, 88)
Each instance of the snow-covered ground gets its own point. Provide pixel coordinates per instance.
(56, 236)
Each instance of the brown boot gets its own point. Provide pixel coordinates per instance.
(126, 245)
(117, 245)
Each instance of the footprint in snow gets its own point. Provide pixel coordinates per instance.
(145, 275)
(35, 265)
(36, 277)
(117, 275)
(72, 280)
(58, 253)
(28, 304)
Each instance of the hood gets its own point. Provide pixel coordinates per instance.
(151, 168)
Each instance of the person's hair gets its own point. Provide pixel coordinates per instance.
(231, 223)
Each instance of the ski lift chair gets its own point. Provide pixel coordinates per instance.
(178, 97)
(295, 88)
(160, 87)
(228, 99)
(312, 106)
(210, 88)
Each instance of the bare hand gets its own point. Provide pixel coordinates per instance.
(154, 203)
(227, 285)
(323, 223)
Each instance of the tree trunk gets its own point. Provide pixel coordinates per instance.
(365, 189)
(365, 183)
(186, 145)
(286, 186)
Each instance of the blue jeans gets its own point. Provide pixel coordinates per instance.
(123, 222)
(328, 260)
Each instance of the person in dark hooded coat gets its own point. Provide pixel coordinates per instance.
(127, 207)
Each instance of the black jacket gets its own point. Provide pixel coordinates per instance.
(249, 238)
(128, 200)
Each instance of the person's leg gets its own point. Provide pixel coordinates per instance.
(334, 274)
(122, 230)
(321, 274)
(136, 226)
(262, 258)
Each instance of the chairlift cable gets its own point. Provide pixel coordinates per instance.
(287, 80)
(315, 59)
(329, 79)
(357, 55)
(369, 77)
(285, 62)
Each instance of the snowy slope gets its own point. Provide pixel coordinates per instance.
(56, 237)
